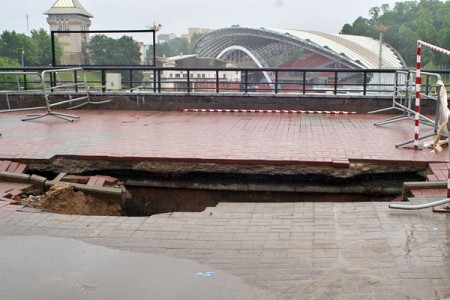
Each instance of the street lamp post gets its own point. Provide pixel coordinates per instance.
(23, 70)
(380, 28)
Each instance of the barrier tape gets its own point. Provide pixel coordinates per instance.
(435, 48)
(310, 112)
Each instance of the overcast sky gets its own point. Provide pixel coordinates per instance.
(177, 15)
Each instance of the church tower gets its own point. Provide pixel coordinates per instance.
(70, 15)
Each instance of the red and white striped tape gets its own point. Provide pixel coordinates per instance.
(435, 48)
(310, 112)
(419, 83)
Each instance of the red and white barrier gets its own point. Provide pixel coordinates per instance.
(416, 134)
(310, 112)
(418, 88)
(448, 184)
(419, 83)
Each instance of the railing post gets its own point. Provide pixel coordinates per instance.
(159, 82)
(365, 83)
(428, 85)
(276, 82)
(103, 81)
(76, 80)
(304, 82)
(246, 82)
(335, 82)
(25, 86)
(154, 81)
(52, 80)
(217, 81)
(188, 81)
(131, 79)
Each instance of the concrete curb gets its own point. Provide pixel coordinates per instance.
(112, 194)
(15, 177)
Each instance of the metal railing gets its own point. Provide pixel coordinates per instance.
(73, 87)
(243, 81)
(404, 93)
(19, 82)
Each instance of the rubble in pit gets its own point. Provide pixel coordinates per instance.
(62, 198)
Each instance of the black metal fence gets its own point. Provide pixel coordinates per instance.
(144, 79)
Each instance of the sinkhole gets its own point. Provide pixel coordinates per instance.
(150, 192)
(196, 193)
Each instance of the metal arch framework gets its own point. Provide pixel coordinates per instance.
(260, 62)
(344, 51)
(262, 43)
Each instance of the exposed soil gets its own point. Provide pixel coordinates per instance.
(62, 198)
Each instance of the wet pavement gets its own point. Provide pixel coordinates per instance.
(273, 138)
(55, 268)
(273, 250)
(256, 250)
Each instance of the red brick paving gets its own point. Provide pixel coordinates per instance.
(333, 140)
(231, 137)
(298, 250)
(438, 172)
(7, 191)
(14, 167)
(96, 181)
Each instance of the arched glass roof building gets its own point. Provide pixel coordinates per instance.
(260, 44)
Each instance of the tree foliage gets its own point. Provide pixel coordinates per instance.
(409, 21)
(109, 51)
(36, 48)
(123, 51)
(173, 47)
(8, 82)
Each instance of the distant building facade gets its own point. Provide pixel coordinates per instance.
(192, 31)
(163, 38)
(67, 15)
(199, 80)
(143, 50)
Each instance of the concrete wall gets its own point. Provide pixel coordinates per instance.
(176, 102)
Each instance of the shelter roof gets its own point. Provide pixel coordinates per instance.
(352, 51)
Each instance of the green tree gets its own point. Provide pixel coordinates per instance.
(428, 20)
(36, 49)
(361, 26)
(174, 47)
(122, 52)
(12, 44)
(43, 45)
(8, 82)
(194, 40)
(108, 51)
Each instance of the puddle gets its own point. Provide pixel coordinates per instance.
(56, 268)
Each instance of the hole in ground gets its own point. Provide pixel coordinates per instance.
(153, 194)
(149, 201)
